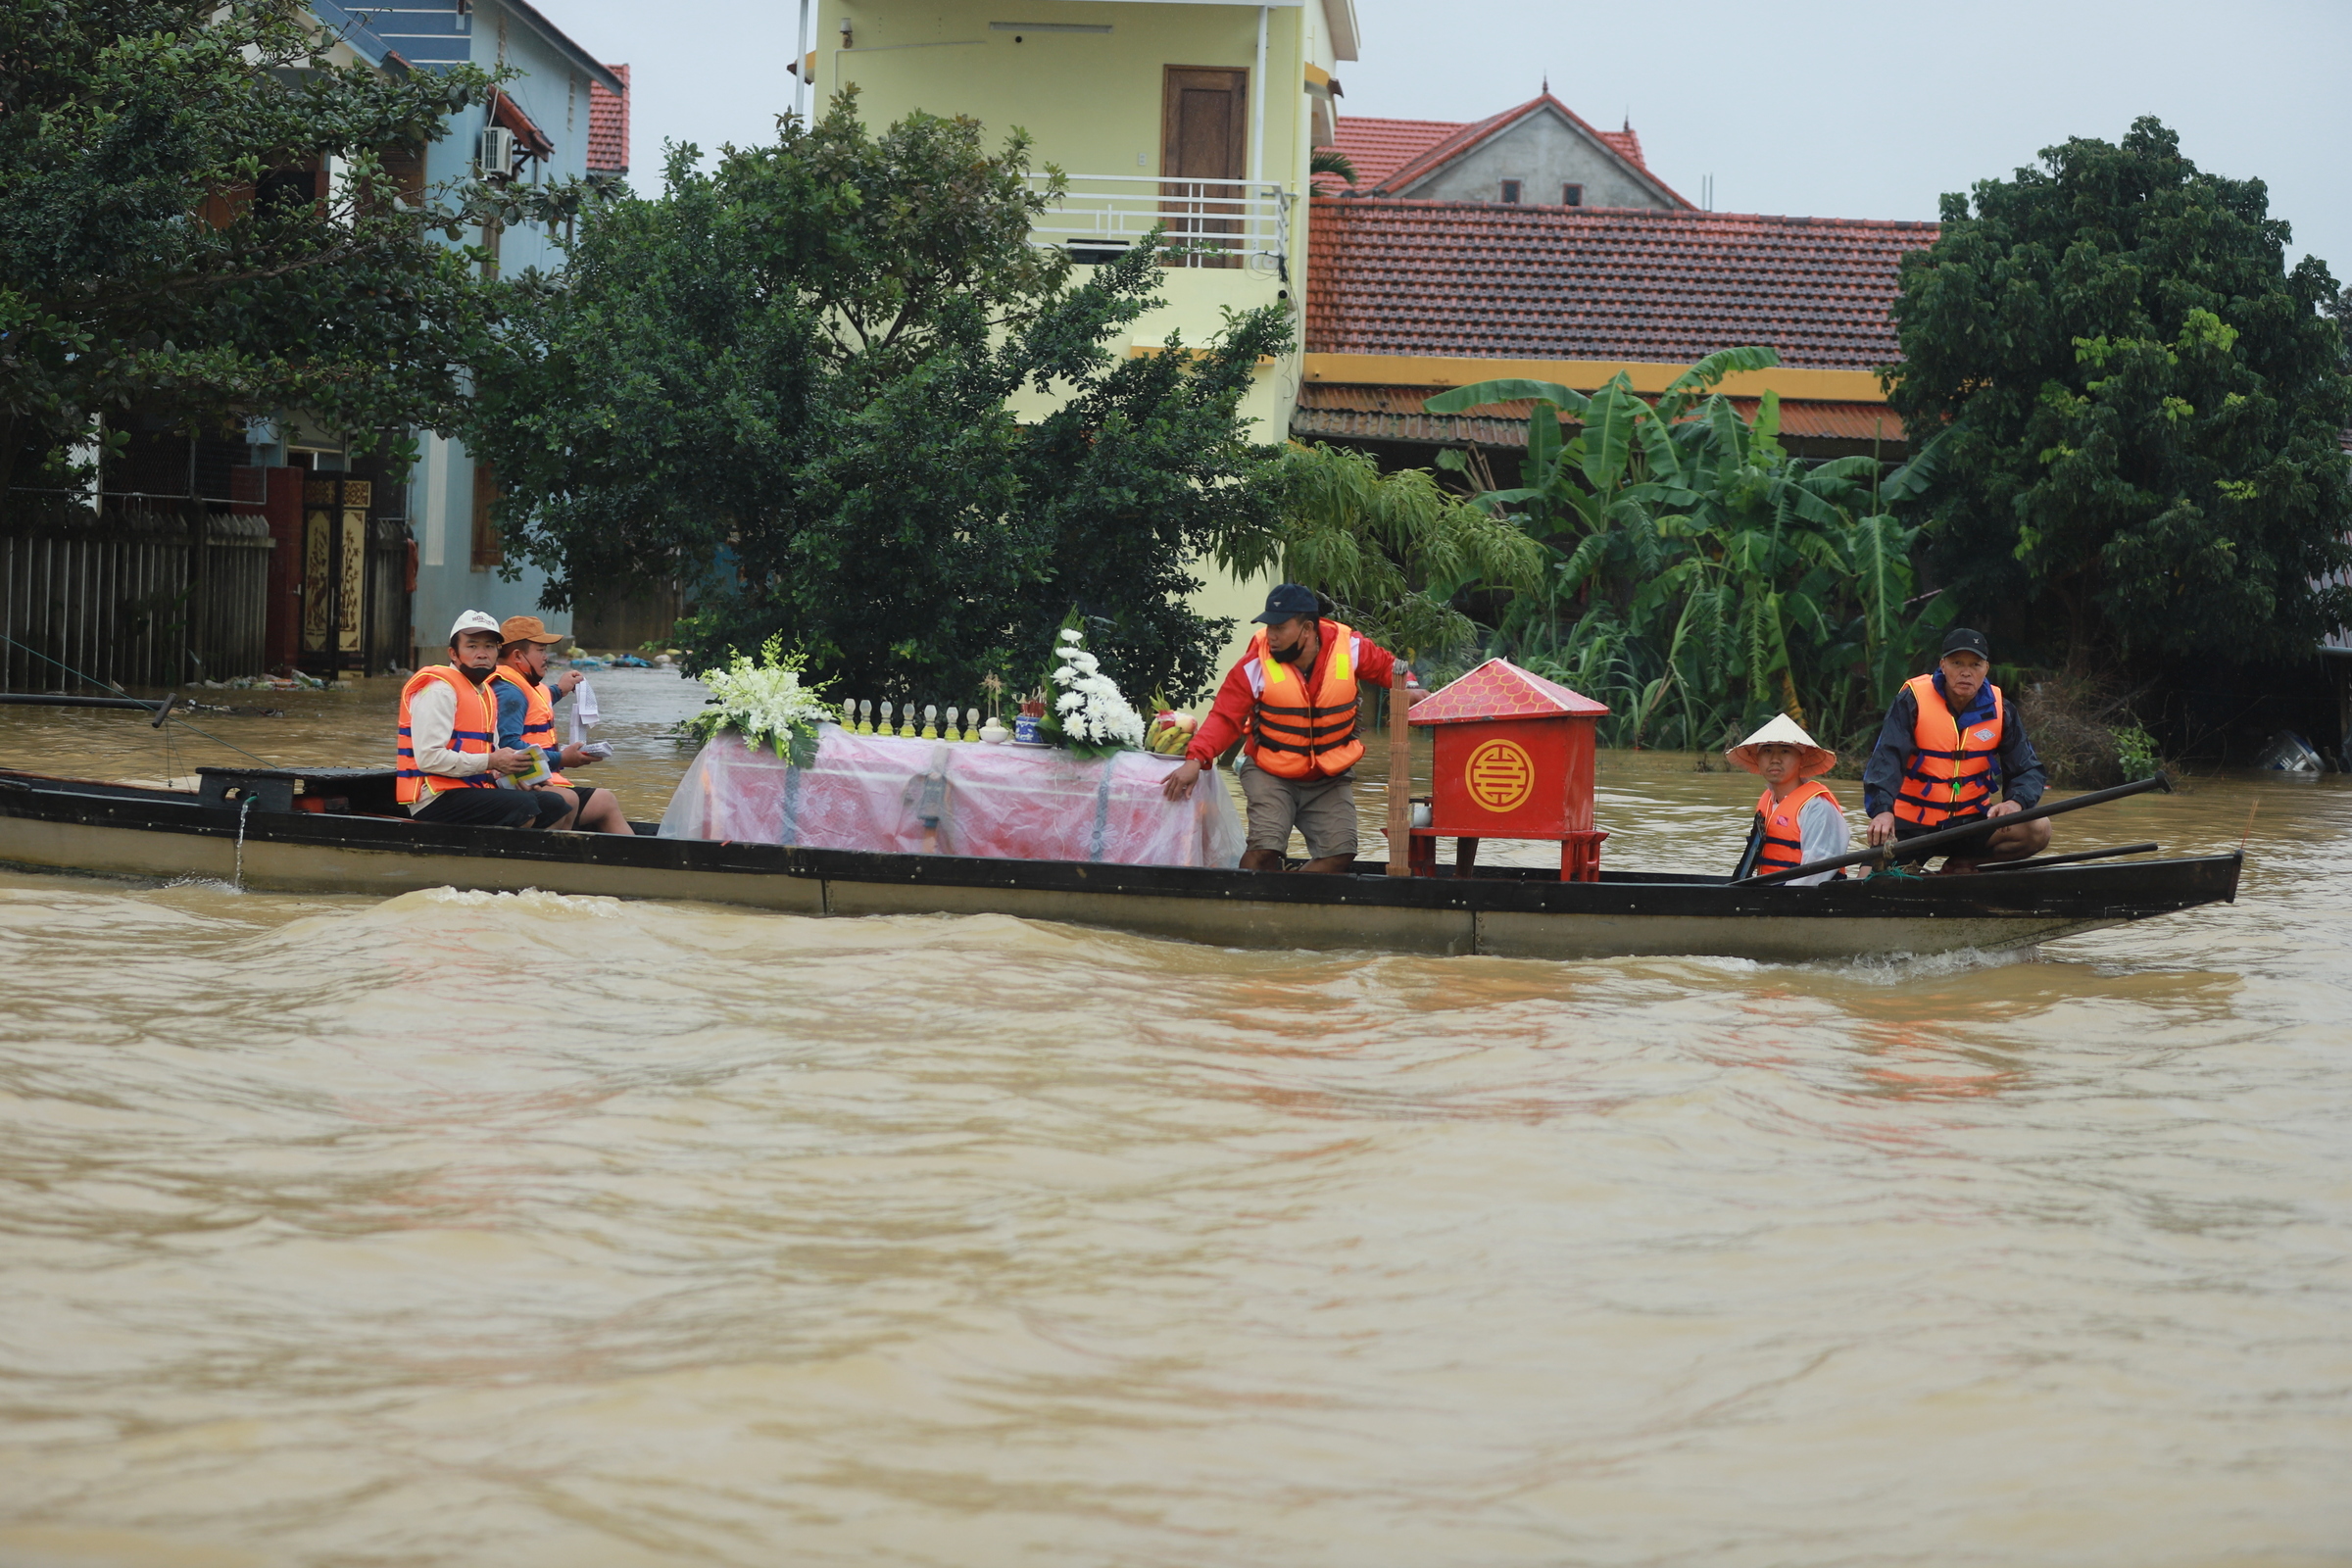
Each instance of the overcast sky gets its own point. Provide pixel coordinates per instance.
(1830, 108)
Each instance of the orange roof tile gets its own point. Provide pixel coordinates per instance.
(608, 127)
(1441, 153)
(1463, 279)
(1378, 148)
(1500, 689)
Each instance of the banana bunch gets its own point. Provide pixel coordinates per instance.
(1171, 733)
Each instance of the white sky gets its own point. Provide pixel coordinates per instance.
(1832, 108)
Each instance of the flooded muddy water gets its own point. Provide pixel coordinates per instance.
(457, 1229)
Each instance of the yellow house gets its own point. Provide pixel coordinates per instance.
(1198, 115)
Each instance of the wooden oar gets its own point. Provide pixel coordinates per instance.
(2075, 858)
(1400, 776)
(1930, 844)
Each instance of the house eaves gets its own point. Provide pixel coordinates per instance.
(593, 68)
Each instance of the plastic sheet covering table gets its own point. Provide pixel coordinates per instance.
(916, 796)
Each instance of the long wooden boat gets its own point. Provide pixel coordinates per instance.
(332, 831)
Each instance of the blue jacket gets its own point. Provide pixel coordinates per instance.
(2016, 769)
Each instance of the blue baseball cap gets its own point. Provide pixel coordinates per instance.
(1288, 602)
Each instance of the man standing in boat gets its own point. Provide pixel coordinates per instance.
(1952, 751)
(526, 719)
(449, 760)
(1292, 702)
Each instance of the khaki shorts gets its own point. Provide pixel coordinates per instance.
(1322, 809)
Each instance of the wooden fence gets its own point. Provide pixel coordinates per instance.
(133, 596)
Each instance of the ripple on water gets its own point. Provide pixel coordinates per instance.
(455, 1228)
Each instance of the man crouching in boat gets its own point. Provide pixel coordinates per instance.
(450, 763)
(527, 721)
(1950, 745)
(1798, 821)
(1291, 704)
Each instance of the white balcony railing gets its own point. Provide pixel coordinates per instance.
(1210, 222)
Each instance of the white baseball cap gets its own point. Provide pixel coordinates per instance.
(472, 620)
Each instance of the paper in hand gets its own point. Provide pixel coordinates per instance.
(584, 715)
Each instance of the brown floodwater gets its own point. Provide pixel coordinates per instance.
(457, 1229)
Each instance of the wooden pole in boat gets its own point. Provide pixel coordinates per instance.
(1929, 844)
(1400, 772)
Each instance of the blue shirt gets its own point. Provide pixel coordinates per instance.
(2016, 769)
(513, 712)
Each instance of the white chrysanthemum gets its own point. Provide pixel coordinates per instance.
(1091, 707)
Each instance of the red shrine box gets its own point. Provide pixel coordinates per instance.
(1513, 760)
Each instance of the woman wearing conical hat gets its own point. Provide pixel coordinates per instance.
(1798, 821)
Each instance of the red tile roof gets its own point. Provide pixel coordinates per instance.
(608, 127)
(1378, 148)
(1463, 279)
(1338, 411)
(1438, 154)
(1391, 153)
(1628, 142)
(1500, 689)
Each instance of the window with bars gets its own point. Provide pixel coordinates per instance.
(1572, 195)
(1510, 193)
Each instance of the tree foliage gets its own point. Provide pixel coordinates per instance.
(2143, 404)
(147, 256)
(1392, 551)
(1699, 578)
(791, 379)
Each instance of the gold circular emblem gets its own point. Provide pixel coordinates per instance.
(1501, 775)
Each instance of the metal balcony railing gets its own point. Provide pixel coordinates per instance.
(1210, 222)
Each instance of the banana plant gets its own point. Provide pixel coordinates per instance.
(1707, 577)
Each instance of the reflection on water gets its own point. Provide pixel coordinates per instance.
(461, 1229)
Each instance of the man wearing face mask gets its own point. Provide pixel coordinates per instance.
(1292, 702)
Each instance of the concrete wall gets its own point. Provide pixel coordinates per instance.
(1544, 152)
(554, 92)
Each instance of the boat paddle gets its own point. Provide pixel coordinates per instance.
(1930, 843)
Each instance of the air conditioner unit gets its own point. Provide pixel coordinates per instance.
(497, 158)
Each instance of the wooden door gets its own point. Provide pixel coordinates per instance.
(1204, 146)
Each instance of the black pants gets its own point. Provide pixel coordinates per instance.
(496, 808)
(1968, 849)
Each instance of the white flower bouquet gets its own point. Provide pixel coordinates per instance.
(765, 703)
(1092, 716)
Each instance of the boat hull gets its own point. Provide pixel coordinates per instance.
(62, 825)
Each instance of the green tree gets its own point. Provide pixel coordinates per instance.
(148, 256)
(1700, 578)
(1393, 552)
(2143, 404)
(788, 380)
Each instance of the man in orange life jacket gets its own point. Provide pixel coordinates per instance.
(526, 717)
(1952, 751)
(1291, 704)
(449, 761)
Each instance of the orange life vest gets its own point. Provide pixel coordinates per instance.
(1950, 772)
(1784, 848)
(538, 715)
(474, 731)
(1298, 735)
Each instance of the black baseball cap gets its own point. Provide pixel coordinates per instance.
(1966, 640)
(1288, 602)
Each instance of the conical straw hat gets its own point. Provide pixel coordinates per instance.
(1812, 758)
